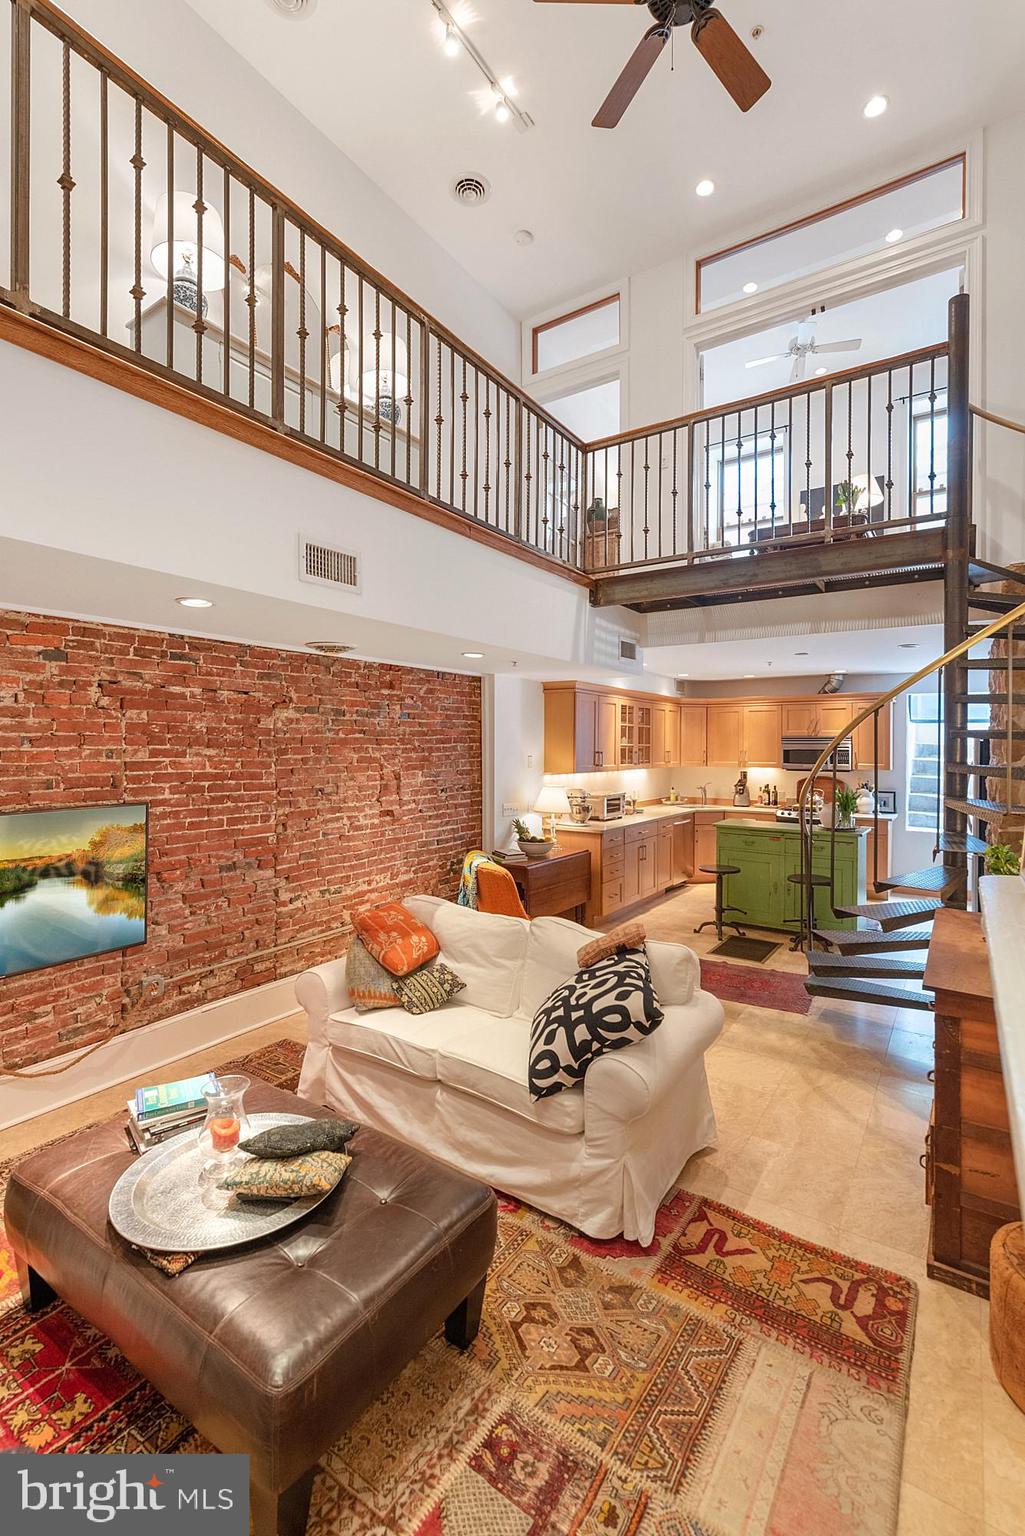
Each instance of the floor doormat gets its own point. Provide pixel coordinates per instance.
(728, 1380)
(735, 948)
(783, 990)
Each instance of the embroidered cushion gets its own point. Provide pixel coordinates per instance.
(429, 988)
(605, 1007)
(366, 980)
(395, 938)
(295, 1140)
(626, 936)
(266, 1178)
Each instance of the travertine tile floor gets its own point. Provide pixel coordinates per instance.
(822, 1121)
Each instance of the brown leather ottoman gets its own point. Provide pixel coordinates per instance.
(275, 1349)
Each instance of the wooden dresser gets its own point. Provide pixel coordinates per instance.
(970, 1179)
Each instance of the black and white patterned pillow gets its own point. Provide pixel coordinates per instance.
(604, 1007)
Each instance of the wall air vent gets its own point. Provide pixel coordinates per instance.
(628, 650)
(471, 191)
(327, 567)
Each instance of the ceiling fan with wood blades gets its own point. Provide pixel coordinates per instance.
(720, 47)
(802, 347)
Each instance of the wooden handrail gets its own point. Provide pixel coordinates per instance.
(788, 392)
(998, 421)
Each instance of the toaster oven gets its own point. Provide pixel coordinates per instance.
(607, 807)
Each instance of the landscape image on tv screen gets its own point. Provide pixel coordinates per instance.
(72, 884)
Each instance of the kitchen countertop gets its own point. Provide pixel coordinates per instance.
(689, 807)
(756, 824)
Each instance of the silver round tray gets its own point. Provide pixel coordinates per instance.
(157, 1203)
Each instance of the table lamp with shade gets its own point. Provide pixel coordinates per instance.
(175, 248)
(552, 802)
(386, 381)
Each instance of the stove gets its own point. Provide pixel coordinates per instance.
(794, 815)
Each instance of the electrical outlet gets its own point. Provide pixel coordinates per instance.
(530, 759)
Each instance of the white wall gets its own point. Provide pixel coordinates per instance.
(999, 375)
(175, 51)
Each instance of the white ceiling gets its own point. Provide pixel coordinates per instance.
(373, 77)
(765, 658)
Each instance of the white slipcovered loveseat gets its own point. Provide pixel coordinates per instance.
(453, 1083)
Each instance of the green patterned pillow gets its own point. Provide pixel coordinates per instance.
(264, 1178)
(423, 991)
(366, 980)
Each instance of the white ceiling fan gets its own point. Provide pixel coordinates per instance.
(803, 346)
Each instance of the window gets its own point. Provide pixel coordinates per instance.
(925, 756)
(752, 487)
(570, 338)
(929, 455)
(874, 221)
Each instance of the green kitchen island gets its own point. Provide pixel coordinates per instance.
(766, 853)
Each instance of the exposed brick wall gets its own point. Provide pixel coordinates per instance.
(284, 790)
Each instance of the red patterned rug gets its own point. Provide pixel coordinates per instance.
(782, 990)
(729, 1380)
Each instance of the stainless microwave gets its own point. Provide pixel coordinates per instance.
(801, 753)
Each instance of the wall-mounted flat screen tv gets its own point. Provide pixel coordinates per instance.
(72, 884)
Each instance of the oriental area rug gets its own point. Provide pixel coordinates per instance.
(728, 1380)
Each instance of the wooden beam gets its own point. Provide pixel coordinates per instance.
(136, 379)
(773, 569)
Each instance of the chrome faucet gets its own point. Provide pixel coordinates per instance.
(704, 793)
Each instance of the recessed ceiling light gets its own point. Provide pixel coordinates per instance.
(451, 45)
(750, 287)
(474, 655)
(705, 188)
(194, 602)
(875, 106)
(894, 235)
(909, 645)
(819, 372)
(800, 653)
(524, 237)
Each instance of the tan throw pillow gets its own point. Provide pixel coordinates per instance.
(294, 1178)
(428, 989)
(366, 980)
(626, 936)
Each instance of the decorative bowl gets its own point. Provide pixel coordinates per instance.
(535, 850)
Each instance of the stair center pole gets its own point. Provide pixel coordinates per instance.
(957, 530)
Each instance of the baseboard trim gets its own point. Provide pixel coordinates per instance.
(145, 1050)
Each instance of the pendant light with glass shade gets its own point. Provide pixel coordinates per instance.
(175, 248)
(386, 384)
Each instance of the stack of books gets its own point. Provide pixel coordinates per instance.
(167, 1109)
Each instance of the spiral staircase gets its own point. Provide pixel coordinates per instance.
(980, 788)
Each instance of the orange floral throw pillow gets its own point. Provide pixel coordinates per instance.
(395, 938)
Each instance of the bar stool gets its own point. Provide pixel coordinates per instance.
(814, 881)
(720, 871)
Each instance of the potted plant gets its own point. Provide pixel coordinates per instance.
(599, 518)
(845, 808)
(848, 494)
(1001, 859)
(534, 847)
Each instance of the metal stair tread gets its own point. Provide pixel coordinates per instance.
(987, 770)
(823, 962)
(869, 992)
(935, 877)
(893, 914)
(873, 941)
(961, 842)
(985, 810)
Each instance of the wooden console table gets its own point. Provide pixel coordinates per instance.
(559, 886)
(970, 1178)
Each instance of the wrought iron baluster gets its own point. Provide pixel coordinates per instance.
(104, 202)
(507, 461)
(646, 529)
(409, 398)
(361, 404)
(740, 448)
(889, 445)
(21, 161)
(772, 469)
(226, 279)
(755, 449)
(850, 454)
(706, 431)
(464, 400)
(277, 306)
(827, 495)
(169, 285)
(396, 403)
(868, 441)
(439, 420)
(323, 343)
(66, 181)
(452, 436)
(676, 488)
(302, 332)
(343, 353)
(199, 324)
(377, 377)
(932, 448)
(790, 460)
(251, 297)
(138, 164)
(487, 449)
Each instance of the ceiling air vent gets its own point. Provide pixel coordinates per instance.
(471, 191)
(628, 650)
(293, 7)
(327, 567)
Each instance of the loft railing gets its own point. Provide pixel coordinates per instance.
(855, 455)
(134, 230)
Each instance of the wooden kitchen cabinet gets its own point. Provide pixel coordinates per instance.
(664, 856)
(743, 735)
(693, 735)
(834, 715)
(683, 849)
(821, 716)
(634, 749)
(665, 735)
(705, 842)
(799, 719)
(865, 741)
(640, 872)
(581, 730)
